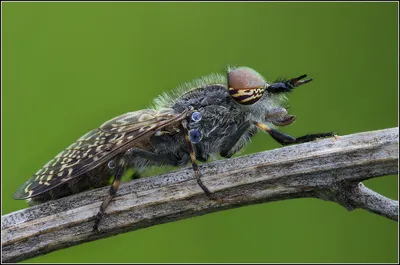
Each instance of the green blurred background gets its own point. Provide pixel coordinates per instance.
(68, 67)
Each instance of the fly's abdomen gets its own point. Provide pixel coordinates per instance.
(86, 164)
(96, 178)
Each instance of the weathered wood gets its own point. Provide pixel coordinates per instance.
(329, 169)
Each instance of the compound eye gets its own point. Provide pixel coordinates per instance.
(196, 116)
(194, 136)
(245, 85)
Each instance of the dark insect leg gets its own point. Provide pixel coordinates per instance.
(113, 190)
(173, 161)
(312, 137)
(234, 139)
(285, 139)
(200, 154)
(193, 160)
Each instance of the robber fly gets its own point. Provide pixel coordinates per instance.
(216, 114)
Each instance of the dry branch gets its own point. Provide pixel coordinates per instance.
(329, 169)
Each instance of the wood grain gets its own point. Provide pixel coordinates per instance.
(329, 169)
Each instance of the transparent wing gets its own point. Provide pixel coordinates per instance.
(96, 147)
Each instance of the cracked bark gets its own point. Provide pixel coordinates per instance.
(329, 169)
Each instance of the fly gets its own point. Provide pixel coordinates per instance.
(215, 114)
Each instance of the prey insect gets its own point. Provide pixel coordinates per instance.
(216, 114)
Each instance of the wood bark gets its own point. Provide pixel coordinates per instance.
(329, 169)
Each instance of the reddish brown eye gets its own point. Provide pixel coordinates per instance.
(246, 86)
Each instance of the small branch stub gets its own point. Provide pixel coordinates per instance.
(329, 169)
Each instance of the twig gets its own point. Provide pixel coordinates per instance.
(329, 169)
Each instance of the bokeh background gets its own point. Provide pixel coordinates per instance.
(68, 67)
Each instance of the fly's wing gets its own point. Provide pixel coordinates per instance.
(98, 146)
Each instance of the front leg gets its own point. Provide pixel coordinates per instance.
(285, 139)
(228, 147)
(278, 116)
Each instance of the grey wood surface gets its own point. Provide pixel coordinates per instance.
(329, 169)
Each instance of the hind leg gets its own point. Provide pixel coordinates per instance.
(120, 167)
(119, 171)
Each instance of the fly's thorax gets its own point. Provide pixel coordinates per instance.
(213, 94)
(217, 124)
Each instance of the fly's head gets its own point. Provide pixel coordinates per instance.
(246, 86)
(249, 89)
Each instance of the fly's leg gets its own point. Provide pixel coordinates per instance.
(278, 116)
(119, 173)
(285, 139)
(193, 159)
(113, 190)
(200, 154)
(227, 147)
